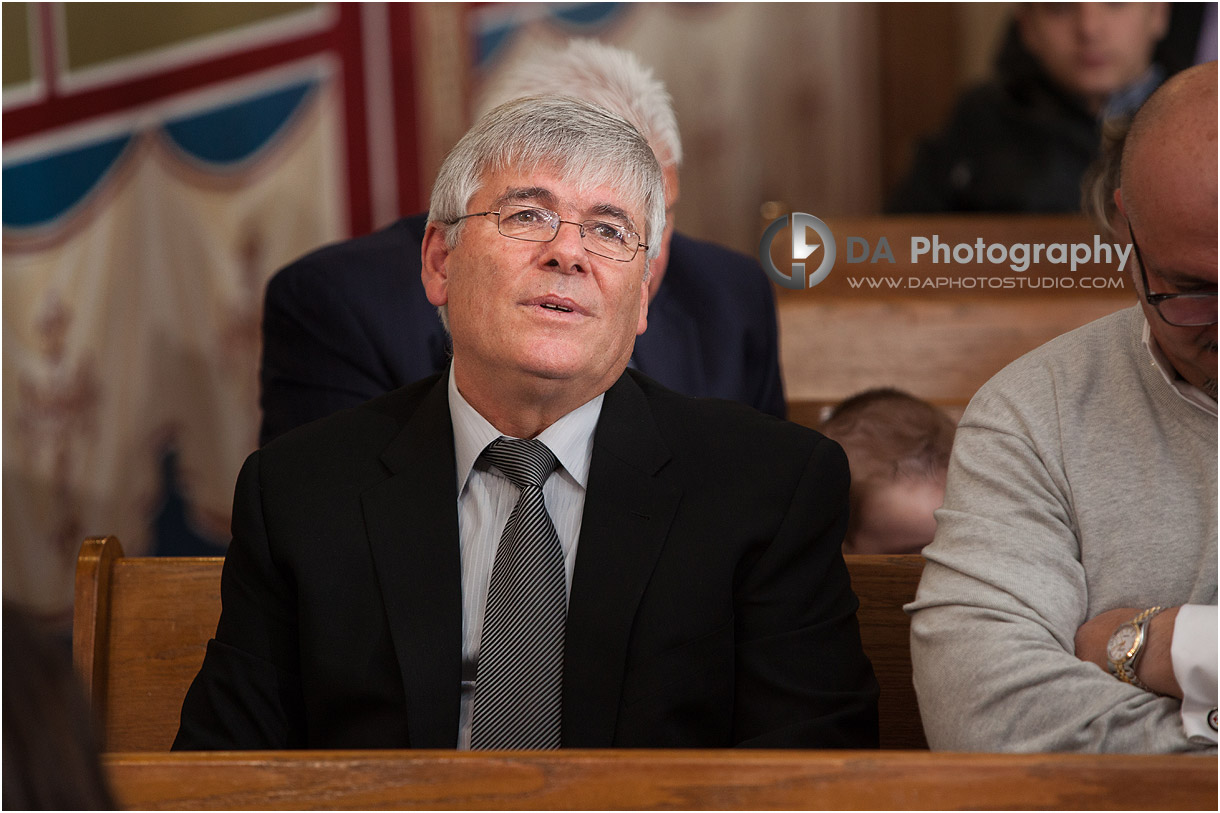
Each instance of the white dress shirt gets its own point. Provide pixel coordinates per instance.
(1193, 653)
(1187, 391)
(486, 498)
(1193, 650)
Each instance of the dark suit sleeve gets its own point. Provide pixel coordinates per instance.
(712, 329)
(767, 386)
(802, 679)
(345, 324)
(248, 694)
(318, 354)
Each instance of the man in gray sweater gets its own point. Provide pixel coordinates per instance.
(1069, 597)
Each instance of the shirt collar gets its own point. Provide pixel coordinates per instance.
(570, 438)
(1186, 391)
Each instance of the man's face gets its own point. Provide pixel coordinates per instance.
(1093, 49)
(546, 310)
(1180, 256)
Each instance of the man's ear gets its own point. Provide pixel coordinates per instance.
(1118, 201)
(434, 272)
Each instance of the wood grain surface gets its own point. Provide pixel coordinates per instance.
(884, 584)
(662, 780)
(941, 350)
(145, 641)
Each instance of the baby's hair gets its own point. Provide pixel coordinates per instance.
(888, 433)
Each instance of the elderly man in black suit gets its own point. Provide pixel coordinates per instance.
(350, 321)
(539, 547)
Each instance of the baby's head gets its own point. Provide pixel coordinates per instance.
(898, 448)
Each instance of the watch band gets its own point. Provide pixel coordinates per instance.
(1124, 669)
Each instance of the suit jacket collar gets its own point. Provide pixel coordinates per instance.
(413, 533)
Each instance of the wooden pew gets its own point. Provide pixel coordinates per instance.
(140, 627)
(660, 780)
(938, 343)
(142, 624)
(883, 584)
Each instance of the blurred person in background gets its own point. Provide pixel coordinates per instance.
(50, 748)
(1022, 141)
(898, 449)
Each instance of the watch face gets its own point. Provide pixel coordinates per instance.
(1122, 642)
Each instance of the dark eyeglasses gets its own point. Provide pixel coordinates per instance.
(1181, 310)
(536, 225)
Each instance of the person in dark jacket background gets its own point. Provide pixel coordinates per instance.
(1022, 141)
(50, 747)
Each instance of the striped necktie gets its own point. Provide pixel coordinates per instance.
(519, 682)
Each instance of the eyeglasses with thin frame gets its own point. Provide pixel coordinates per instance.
(1180, 310)
(538, 225)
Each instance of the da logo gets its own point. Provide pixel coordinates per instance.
(801, 250)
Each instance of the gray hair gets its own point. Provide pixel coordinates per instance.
(584, 145)
(1104, 174)
(602, 74)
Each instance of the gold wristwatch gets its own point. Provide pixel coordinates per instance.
(1125, 646)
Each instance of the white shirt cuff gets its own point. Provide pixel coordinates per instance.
(1193, 653)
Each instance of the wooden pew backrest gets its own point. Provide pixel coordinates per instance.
(140, 629)
(883, 584)
(938, 342)
(142, 625)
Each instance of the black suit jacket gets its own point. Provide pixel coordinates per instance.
(350, 321)
(710, 604)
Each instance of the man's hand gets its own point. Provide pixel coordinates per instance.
(1154, 666)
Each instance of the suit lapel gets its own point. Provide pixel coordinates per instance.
(413, 532)
(628, 511)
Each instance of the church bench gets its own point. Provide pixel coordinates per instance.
(142, 624)
(139, 631)
(659, 780)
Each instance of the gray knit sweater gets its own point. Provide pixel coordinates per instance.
(1080, 482)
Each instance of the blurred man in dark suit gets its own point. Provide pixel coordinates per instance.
(350, 321)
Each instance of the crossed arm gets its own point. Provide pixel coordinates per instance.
(1155, 665)
(1004, 609)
